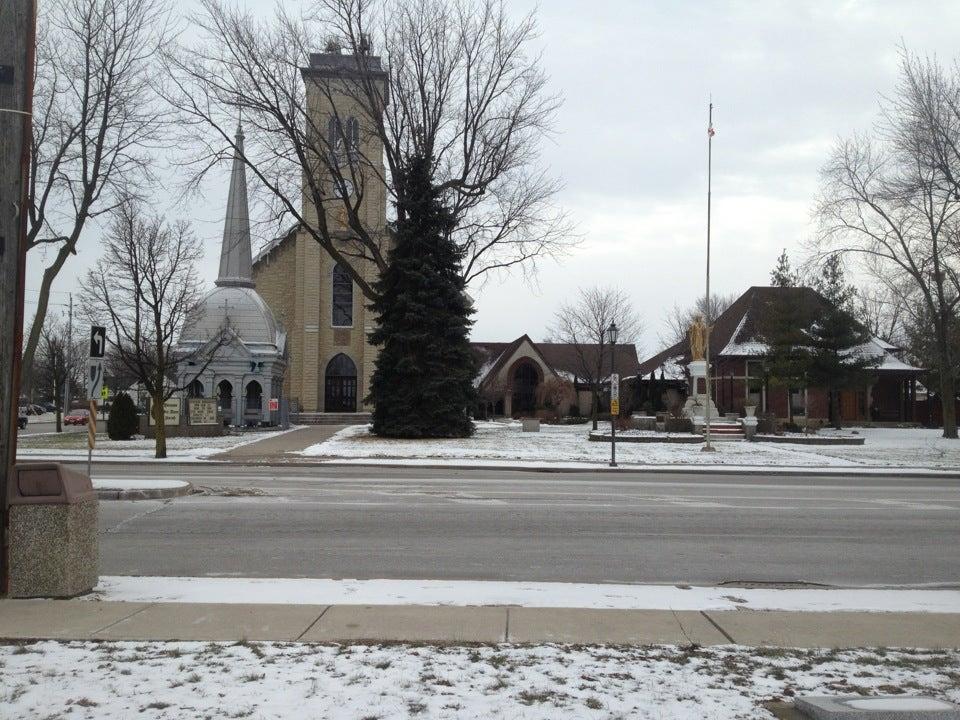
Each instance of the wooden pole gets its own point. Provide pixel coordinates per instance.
(17, 50)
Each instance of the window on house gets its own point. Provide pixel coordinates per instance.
(342, 297)
(755, 384)
(798, 402)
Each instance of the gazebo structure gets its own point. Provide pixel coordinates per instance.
(247, 343)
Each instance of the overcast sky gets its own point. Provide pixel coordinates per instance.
(786, 78)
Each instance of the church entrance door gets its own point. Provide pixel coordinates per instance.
(340, 385)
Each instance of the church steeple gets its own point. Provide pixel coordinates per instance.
(235, 254)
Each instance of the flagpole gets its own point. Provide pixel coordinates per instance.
(707, 447)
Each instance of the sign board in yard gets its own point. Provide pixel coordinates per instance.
(202, 411)
(274, 404)
(171, 412)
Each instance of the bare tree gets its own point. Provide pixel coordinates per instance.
(143, 289)
(583, 324)
(681, 318)
(458, 85)
(57, 361)
(892, 201)
(94, 124)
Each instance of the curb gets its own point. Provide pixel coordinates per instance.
(145, 493)
(771, 470)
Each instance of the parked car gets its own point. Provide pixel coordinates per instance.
(22, 420)
(77, 417)
(49, 407)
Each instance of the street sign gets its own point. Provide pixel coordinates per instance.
(614, 407)
(104, 392)
(274, 404)
(95, 379)
(98, 341)
(615, 387)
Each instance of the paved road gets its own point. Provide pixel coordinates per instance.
(416, 523)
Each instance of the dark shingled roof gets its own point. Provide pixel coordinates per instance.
(561, 357)
(738, 327)
(738, 323)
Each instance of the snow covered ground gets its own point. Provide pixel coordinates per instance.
(74, 445)
(311, 591)
(503, 442)
(365, 682)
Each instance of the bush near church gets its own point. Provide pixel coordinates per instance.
(122, 422)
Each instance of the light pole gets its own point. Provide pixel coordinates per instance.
(612, 333)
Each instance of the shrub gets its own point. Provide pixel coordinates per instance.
(678, 425)
(574, 411)
(767, 423)
(122, 422)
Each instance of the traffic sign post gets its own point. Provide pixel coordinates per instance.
(614, 412)
(98, 341)
(95, 387)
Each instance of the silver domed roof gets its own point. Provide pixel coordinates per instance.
(241, 309)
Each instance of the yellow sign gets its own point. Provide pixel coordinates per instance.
(614, 407)
(104, 392)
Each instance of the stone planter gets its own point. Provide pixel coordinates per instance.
(750, 410)
(530, 424)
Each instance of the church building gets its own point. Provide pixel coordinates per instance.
(247, 344)
(325, 314)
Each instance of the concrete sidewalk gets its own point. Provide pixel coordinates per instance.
(101, 620)
(279, 445)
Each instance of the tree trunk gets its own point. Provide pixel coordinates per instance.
(948, 403)
(594, 402)
(159, 429)
(43, 300)
(834, 408)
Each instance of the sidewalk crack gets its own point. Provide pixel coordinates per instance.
(682, 629)
(723, 632)
(125, 617)
(311, 625)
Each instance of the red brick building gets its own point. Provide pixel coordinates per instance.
(738, 378)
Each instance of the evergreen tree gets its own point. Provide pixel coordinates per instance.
(832, 284)
(122, 422)
(782, 274)
(423, 382)
(784, 329)
(836, 361)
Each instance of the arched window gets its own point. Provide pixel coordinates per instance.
(342, 297)
(254, 397)
(353, 137)
(340, 385)
(334, 138)
(195, 389)
(225, 392)
(525, 381)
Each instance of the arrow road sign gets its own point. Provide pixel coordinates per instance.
(98, 341)
(94, 379)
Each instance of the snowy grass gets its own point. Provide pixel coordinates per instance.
(505, 442)
(366, 682)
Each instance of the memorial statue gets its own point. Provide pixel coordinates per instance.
(698, 338)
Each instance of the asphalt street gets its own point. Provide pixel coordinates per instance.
(574, 527)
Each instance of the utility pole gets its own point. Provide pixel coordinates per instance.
(18, 30)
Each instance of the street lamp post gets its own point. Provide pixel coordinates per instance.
(612, 333)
